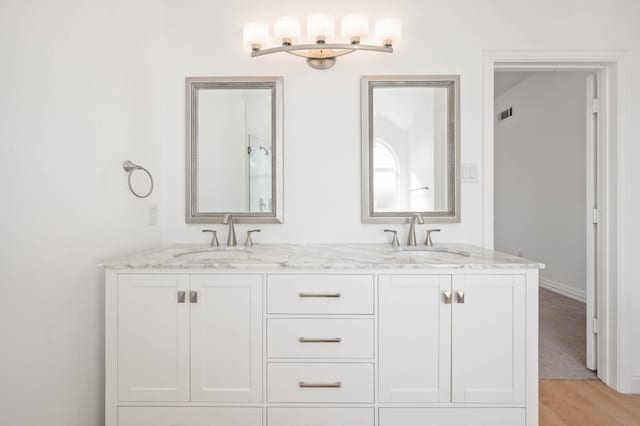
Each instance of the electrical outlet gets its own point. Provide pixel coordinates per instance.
(153, 215)
(470, 173)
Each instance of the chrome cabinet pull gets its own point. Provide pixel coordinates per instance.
(320, 385)
(447, 297)
(181, 296)
(320, 339)
(460, 296)
(193, 297)
(319, 294)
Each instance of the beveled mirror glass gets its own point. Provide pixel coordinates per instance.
(410, 149)
(234, 149)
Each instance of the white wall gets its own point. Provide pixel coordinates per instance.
(540, 176)
(75, 102)
(85, 84)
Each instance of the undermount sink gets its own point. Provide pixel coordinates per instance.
(431, 252)
(213, 254)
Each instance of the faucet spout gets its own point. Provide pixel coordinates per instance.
(231, 235)
(411, 238)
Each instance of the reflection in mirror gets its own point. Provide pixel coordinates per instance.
(234, 150)
(234, 126)
(410, 149)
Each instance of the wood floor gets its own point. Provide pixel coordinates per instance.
(586, 403)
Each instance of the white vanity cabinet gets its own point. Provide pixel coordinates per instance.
(405, 346)
(180, 338)
(454, 339)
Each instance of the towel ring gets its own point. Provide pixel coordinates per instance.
(131, 167)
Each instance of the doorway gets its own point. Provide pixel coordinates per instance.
(545, 192)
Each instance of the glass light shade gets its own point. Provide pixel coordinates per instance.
(255, 35)
(388, 31)
(355, 27)
(320, 27)
(287, 29)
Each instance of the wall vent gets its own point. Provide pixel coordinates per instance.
(506, 114)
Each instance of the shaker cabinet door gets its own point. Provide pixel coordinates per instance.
(415, 338)
(153, 337)
(488, 363)
(226, 338)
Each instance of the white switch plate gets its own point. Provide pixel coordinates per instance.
(470, 173)
(153, 215)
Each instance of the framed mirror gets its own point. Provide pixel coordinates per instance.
(234, 149)
(410, 148)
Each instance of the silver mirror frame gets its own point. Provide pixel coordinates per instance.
(275, 84)
(452, 83)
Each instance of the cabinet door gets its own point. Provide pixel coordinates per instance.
(153, 338)
(452, 417)
(415, 338)
(226, 338)
(189, 416)
(488, 361)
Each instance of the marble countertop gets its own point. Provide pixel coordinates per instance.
(320, 256)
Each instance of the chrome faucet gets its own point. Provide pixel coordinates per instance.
(214, 237)
(231, 237)
(411, 238)
(428, 241)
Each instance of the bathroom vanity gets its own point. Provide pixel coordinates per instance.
(331, 335)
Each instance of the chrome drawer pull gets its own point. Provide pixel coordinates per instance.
(319, 295)
(320, 339)
(320, 385)
(181, 296)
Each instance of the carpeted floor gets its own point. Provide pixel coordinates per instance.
(562, 338)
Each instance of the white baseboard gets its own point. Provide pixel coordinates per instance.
(563, 289)
(634, 386)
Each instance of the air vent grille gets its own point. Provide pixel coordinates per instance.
(506, 114)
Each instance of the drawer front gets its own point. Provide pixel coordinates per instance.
(320, 416)
(320, 338)
(451, 416)
(204, 416)
(320, 382)
(320, 294)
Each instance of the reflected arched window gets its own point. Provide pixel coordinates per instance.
(385, 176)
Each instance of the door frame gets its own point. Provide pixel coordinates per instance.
(613, 368)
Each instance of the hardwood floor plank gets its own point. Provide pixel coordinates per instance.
(586, 403)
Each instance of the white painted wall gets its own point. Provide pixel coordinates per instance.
(540, 176)
(75, 102)
(85, 84)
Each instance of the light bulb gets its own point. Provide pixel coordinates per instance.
(255, 35)
(287, 29)
(320, 27)
(389, 31)
(355, 27)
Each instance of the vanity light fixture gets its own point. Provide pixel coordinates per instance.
(320, 50)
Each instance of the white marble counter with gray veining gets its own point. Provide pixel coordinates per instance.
(321, 256)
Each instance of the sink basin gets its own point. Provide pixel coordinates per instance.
(213, 254)
(440, 253)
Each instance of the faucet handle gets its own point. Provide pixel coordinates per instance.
(249, 241)
(214, 237)
(428, 241)
(394, 243)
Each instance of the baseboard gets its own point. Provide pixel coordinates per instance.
(634, 386)
(563, 289)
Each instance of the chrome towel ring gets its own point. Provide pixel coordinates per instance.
(131, 167)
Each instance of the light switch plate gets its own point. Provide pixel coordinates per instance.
(470, 173)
